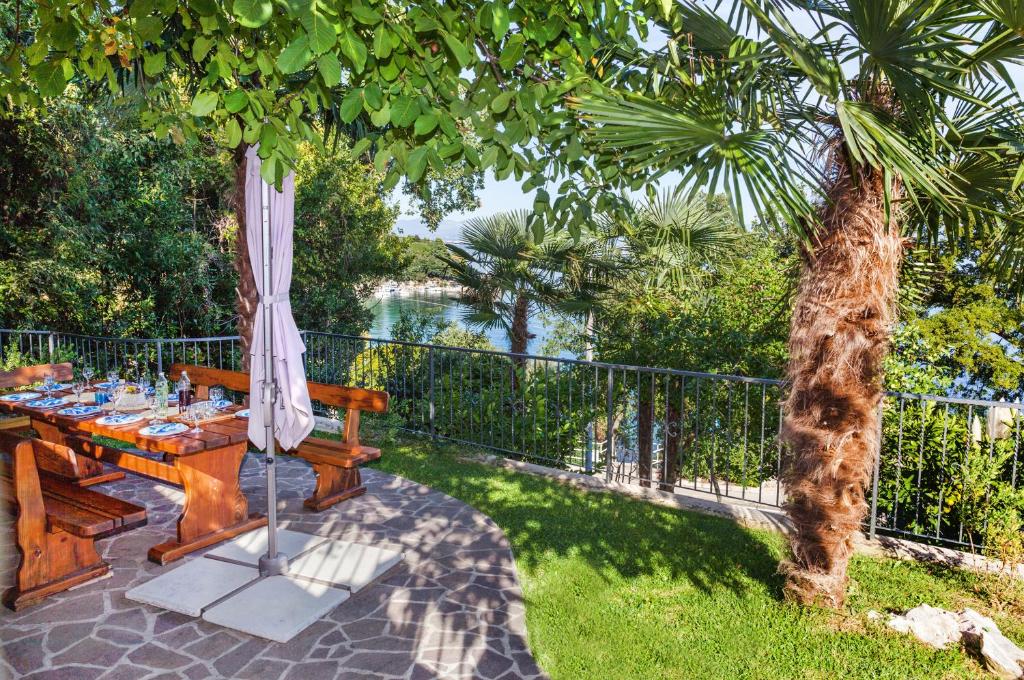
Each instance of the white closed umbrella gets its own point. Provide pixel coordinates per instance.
(279, 404)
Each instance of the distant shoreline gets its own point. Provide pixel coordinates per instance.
(407, 288)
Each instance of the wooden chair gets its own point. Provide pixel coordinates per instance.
(29, 375)
(56, 522)
(336, 463)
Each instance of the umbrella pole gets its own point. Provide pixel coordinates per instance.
(274, 562)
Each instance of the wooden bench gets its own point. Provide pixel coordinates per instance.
(30, 375)
(56, 523)
(336, 463)
(81, 471)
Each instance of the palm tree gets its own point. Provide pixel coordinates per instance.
(507, 276)
(882, 120)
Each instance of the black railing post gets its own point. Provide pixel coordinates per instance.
(609, 438)
(875, 474)
(430, 359)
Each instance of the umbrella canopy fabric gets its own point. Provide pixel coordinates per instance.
(293, 412)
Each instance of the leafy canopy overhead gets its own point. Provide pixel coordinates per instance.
(742, 100)
(411, 77)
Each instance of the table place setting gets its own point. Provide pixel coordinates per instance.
(20, 397)
(80, 411)
(46, 403)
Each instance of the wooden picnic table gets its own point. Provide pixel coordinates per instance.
(206, 465)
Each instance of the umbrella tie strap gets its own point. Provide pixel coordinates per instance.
(275, 299)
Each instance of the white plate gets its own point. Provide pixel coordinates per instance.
(52, 402)
(20, 396)
(222, 403)
(163, 430)
(119, 419)
(80, 411)
(244, 413)
(107, 385)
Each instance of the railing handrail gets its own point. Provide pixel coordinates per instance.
(963, 401)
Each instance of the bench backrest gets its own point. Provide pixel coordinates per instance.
(338, 396)
(28, 375)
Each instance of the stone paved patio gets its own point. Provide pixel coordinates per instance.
(452, 609)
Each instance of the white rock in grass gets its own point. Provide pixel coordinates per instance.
(1000, 655)
(932, 626)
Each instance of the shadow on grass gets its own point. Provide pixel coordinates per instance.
(612, 533)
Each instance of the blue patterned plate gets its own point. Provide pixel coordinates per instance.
(119, 419)
(18, 397)
(57, 387)
(222, 403)
(244, 413)
(107, 385)
(51, 402)
(80, 411)
(163, 430)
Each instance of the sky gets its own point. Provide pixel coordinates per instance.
(499, 196)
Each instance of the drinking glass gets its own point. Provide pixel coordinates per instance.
(216, 395)
(48, 383)
(115, 395)
(113, 376)
(151, 405)
(78, 387)
(195, 415)
(144, 381)
(88, 372)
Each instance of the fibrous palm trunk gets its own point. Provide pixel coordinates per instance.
(518, 331)
(839, 336)
(246, 296)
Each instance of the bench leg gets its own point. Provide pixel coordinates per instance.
(65, 562)
(215, 507)
(333, 485)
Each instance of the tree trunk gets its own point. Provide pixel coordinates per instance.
(246, 296)
(644, 435)
(839, 336)
(518, 333)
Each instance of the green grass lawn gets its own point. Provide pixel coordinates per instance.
(618, 588)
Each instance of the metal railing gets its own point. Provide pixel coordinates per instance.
(946, 464)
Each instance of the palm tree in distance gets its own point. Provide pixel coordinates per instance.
(507, 276)
(887, 119)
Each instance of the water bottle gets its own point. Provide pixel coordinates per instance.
(162, 389)
(184, 392)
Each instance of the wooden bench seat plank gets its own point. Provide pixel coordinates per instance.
(123, 513)
(70, 518)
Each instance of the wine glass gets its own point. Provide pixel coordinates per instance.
(195, 414)
(216, 396)
(151, 405)
(144, 381)
(116, 392)
(78, 386)
(88, 372)
(48, 383)
(113, 376)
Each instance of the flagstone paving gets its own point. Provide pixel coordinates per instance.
(451, 609)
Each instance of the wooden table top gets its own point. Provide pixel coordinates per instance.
(213, 435)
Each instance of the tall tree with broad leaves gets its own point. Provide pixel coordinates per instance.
(874, 123)
(508, 274)
(405, 79)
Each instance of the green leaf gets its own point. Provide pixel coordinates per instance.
(201, 47)
(235, 101)
(416, 164)
(500, 103)
(206, 8)
(426, 123)
(361, 146)
(459, 50)
(50, 78)
(490, 157)
(513, 52)
(499, 19)
(366, 15)
(63, 35)
(404, 111)
(234, 133)
(204, 103)
(351, 105)
(149, 28)
(252, 13)
(322, 34)
(330, 69)
(294, 57)
(374, 97)
(353, 47)
(154, 63)
(382, 117)
(382, 44)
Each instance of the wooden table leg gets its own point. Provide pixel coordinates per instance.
(215, 507)
(89, 471)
